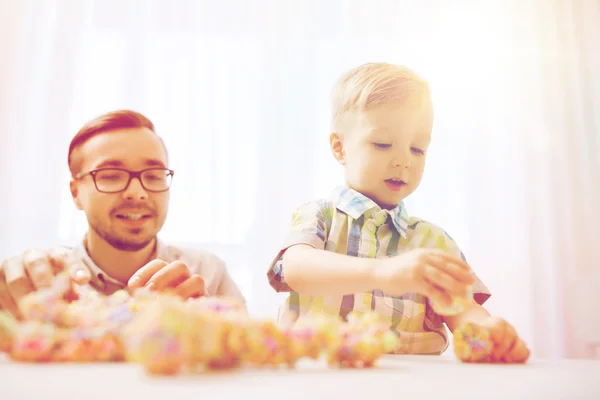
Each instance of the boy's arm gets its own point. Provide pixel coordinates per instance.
(474, 313)
(318, 272)
(508, 346)
(303, 265)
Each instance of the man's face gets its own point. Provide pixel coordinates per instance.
(383, 151)
(128, 220)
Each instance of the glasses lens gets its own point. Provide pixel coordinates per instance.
(111, 180)
(156, 179)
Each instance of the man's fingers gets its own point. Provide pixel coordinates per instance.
(16, 278)
(74, 265)
(143, 275)
(192, 287)
(39, 268)
(20, 288)
(14, 269)
(170, 275)
(61, 259)
(6, 301)
(80, 274)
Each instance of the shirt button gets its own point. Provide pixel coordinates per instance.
(370, 226)
(381, 217)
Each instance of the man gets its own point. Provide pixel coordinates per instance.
(121, 181)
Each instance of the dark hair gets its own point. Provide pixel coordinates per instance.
(119, 119)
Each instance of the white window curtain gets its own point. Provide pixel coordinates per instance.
(240, 92)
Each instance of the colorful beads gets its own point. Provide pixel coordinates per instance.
(167, 335)
(472, 343)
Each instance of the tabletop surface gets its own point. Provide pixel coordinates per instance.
(394, 377)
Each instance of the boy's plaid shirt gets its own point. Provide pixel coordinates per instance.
(352, 224)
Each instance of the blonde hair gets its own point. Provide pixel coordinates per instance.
(375, 84)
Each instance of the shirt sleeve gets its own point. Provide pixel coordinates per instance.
(228, 287)
(309, 226)
(480, 292)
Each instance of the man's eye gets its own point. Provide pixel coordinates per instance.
(111, 177)
(382, 145)
(416, 150)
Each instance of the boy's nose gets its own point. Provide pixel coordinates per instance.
(401, 160)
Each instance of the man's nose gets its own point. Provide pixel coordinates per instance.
(135, 190)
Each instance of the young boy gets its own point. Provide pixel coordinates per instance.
(359, 250)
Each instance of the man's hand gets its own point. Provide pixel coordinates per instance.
(161, 276)
(33, 270)
(508, 346)
(433, 273)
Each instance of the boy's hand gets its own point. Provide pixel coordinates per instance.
(508, 346)
(433, 273)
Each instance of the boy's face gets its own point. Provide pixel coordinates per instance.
(383, 150)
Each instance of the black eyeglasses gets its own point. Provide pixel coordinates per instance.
(115, 180)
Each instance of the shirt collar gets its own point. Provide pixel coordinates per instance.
(98, 275)
(356, 204)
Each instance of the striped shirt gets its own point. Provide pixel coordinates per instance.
(352, 224)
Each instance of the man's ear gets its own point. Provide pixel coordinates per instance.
(336, 144)
(73, 186)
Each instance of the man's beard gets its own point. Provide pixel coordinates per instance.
(122, 244)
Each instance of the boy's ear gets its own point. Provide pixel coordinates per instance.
(337, 147)
(74, 193)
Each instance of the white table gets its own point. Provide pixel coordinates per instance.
(395, 377)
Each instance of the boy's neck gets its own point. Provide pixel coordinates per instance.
(388, 207)
(118, 264)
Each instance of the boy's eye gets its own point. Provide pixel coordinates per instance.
(382, 145)
(416, 150)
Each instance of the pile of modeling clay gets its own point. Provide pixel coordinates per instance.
(167, 334)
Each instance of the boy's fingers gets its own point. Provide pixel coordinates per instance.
(445, 282)
(454, 268)
(450, 258)
(519, 354)
(503, 335)
(143, 275)
(437, 295)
